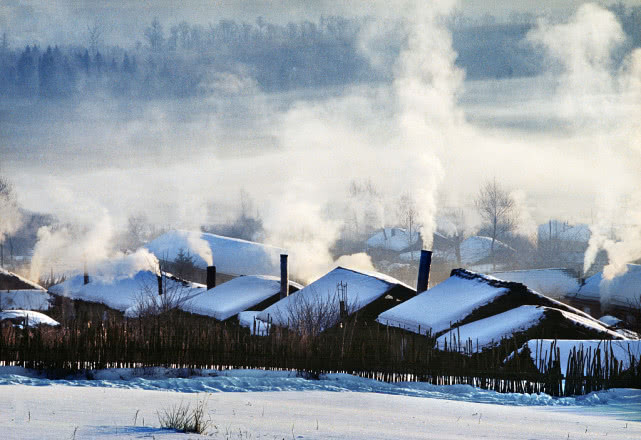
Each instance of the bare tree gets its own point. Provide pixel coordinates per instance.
(155, 35)
(139, 231)
(498, 209)
(312, 314)
(455, 231)
(408, 217)
(364, 208)
(95, 37)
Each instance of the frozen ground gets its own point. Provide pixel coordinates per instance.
(123, 404)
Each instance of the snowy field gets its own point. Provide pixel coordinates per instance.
(278, 405)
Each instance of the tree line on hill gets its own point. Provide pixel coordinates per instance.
(186, 60)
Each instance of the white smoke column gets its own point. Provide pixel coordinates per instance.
(606, 106)
(524, 222)
(10, 217)
(200, 247)
(583, 48)
(389, 135)
(119, 265)
(360, 261)
(304, 233)
(427, 85)
(67, 249)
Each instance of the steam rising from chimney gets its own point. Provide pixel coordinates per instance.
(201, 248)
(606, 104)
(10, 216)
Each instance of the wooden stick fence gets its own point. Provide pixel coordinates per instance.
(372, 351)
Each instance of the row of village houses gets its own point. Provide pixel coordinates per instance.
(249, 282)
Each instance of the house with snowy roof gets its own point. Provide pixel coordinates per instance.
(119, 285)
(619, 296)
(232, 257)
(554, 282)
(388, 243)
(522, 324)
(563, 244)
(251, 293)
(338, 294)
(17, 292)
(476, 254)
(467, 297)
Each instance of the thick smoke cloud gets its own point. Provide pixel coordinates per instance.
(568, 145)
(606, 104)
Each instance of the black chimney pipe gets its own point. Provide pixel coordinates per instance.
(424, 271)
(159, 284)
(284, 277)
(211, 277)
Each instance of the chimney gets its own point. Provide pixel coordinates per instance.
(211, 277)
(86, 276)
(284, 277)
(424, 271)
(159, 284)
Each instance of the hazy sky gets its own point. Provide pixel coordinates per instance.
(567, 142)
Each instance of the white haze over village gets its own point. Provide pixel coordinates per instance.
(566, 142)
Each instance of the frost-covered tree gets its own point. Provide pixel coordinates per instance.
(155, 35)
(10, 215)
(498, 210)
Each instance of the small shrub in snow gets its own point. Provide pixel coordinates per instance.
(184, 418)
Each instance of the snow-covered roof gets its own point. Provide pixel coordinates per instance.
(623, 290)
(478, 248)
(410, 256)
(554, 283)
(621, 350)
(455, 300)
(362, 289)
(10, 280)
(488, 332)
(393, 239)
(610, 320)
(474, 249)
(29, 317)
(234, 296)
(230, 255)
(559, 230)
(28, 299)
(123, 292)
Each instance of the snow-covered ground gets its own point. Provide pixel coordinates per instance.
(337, 406)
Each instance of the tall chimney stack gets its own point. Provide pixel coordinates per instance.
(211, 277)
(159, 284)
(424, 271)
(284, 277)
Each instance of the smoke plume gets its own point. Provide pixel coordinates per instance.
(605, 104)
